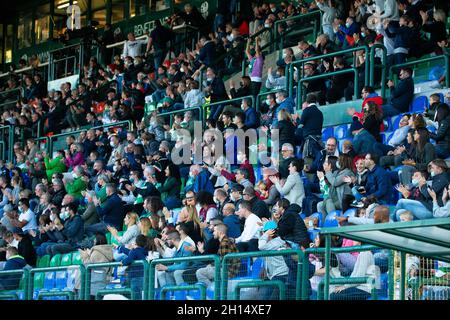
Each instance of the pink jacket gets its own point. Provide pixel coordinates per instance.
(76, 160)
(349, 243)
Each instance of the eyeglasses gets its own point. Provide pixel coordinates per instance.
(284, 150)
(189, 198)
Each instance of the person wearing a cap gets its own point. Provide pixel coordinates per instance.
(25, 246)
(363, 141)
(275, 267)
(236, 194)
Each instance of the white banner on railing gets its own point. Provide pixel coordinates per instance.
(56, 84)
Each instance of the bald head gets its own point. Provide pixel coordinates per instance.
(381, 214)
(228, 209)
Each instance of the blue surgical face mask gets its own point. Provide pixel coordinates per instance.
(347, 25)
(415, 182)
(363, 34)
(432, 173)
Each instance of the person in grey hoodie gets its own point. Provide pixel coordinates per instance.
(275, 267)
(328, 7)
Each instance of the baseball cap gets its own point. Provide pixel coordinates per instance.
(270, 225)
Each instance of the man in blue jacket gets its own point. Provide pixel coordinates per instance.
(111, 212)
(251, 118)
(13, 262)
(168, 275)
(378, 182)
(284, 102)
(401, 95)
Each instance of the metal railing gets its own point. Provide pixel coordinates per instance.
(12, 293)
(182, 111)
(18, 92)
(382, 67)
(303, 19)
(353, 70)
(10, 140)
(207, 107)
(65, 134)
(118, 290)
(289, 252)
(444, 57)
(70, 293)
(348, 280)
(337, 250)
(78, 61)
(290, 68)
(264, 94)
(206, 258)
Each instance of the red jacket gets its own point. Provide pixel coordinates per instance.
(247, 166)
(379, 101)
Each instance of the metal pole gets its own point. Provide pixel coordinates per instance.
(327, 265)
(391, 275)
(402, 275)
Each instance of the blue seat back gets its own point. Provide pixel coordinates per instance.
(257, 266)
(317, 215)
(327, 132)
(350, 213)
(419, 104)
(61, 280)
(49, 280)
(341, 132)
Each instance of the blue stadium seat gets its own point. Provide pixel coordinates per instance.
(431, 129)
(419, 104)
(327, 132)
(330, 219)
(389, 136)
(313, 233)
(387, 124)
(441, 96)
(383, 137)
(350, 213)
(396, 121)
(317, 215)
(341, 132)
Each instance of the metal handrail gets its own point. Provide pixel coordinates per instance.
(109, 125)
(289, 75)
(44, 64)
(25, 278)
(347, 280)
(87, 278)
(323, 251)
(209, 258)
(56, 269)
(271, 253)
(444, 56)
(260, 283)
(208, 106)
(258, 97)
(298, 17)
(10, 140)
(199, 109)
(383, 67)
(326, 75)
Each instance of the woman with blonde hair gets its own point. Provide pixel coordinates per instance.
(286, 128)
(128, 238)
(146, 227)
(189, 217)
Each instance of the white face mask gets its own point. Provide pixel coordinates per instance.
(268, 102)
(278, 100)
(112, 144)
(266, 25)
(115, 168)
(52, 217)
(347, 25)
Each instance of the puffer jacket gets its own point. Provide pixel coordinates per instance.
(339, 188)
(291, 226)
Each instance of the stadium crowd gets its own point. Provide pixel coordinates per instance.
(126, 183)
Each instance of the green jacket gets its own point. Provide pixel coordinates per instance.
(54, 166)
(75, 188)
(170, 188)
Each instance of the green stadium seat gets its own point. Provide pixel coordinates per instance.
(44, 261)
(113, 240)
(66, 260)
(108, 237)
(55, 261)
(76, 258)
